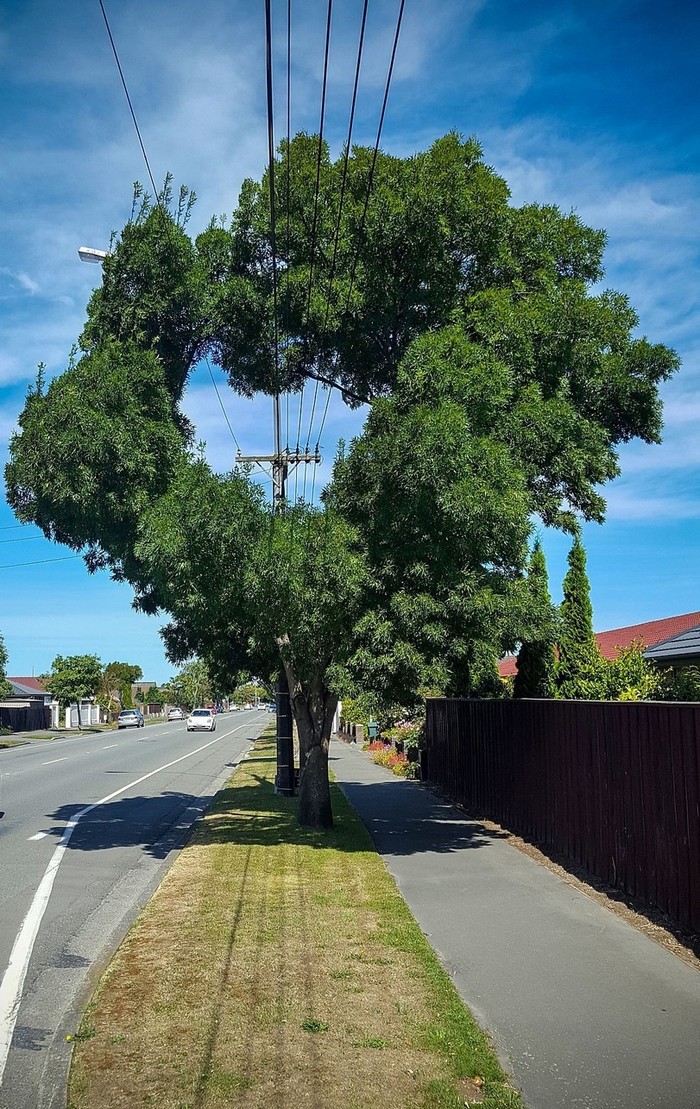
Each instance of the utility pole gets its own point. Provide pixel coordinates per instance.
(281, 460)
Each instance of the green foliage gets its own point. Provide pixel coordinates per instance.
(248, 693)
(581, 670)
(5, 687)
(502, 383)
(631, 677)
(192, 686)
(74, 678)
(115, 685)
(679, 685)
(536, 661)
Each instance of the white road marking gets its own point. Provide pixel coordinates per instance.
(52, 761)
(13, 979)
(111, 745)
(39, 835)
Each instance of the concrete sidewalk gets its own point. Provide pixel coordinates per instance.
(585, 1011)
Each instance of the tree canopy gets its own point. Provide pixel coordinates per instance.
(74, 678)
(501, 381)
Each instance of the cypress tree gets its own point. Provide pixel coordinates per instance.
(535, 663)
(581, 670)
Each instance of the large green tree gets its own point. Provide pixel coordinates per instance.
(501, 382)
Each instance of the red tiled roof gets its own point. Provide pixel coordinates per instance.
(30, 683)
(612, 642)
(651, 633)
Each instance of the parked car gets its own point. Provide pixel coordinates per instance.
(130, 718)
(201, 720)
(176, 714)
(270, 708)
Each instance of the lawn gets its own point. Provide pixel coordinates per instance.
(279, 967)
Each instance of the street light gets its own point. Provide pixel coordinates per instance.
(90, 254)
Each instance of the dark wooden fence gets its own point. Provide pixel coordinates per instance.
(30, 716)
(614, 786)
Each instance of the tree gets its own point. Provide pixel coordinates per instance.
(192, 686)
(115, 686)
(500, 384)
(536, 661)
(5, 687)
(581, 671)
(246, 694)
(74, 678)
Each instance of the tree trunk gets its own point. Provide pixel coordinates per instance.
(313, 707)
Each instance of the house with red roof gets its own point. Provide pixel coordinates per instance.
(675, 640)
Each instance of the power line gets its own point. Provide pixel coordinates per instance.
(317, 189)
(23, 538)
(38, 562)
(370, 179)
(221, 403)
(336, 237)
(128, 98)
(159, 202)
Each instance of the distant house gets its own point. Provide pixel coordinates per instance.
(670, 641)
(28, 708)
(32, 689)
(29, 687)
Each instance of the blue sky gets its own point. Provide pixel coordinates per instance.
(590, 106)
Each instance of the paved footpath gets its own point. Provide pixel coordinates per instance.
(585, 1011)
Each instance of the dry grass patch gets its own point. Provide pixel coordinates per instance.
(277, 967)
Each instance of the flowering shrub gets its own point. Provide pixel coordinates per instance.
(405, 733)
(396, 761)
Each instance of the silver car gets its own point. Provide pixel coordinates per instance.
(130, 718)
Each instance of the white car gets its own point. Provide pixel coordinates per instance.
(176, 714)
(201, 720)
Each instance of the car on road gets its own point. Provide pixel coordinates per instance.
(201, 720)
(130, 718)
(176, 714)
(270, 708)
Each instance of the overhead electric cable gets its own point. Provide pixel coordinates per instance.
(288, 197)
(370, 179)
(39, 562)
(221, 403)
(317, 189)
(23, 539)
(370, 182)
(336, 237)
(128, 98)
(273, 229)
(158, 200)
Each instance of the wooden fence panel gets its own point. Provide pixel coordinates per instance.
(613, 786)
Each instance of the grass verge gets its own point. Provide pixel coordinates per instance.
(275, 967)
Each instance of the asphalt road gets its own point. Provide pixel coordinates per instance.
(91, 823)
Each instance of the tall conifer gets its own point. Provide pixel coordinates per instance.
(581, 671)
(536, 659)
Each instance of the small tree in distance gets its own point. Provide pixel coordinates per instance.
(74, 678)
